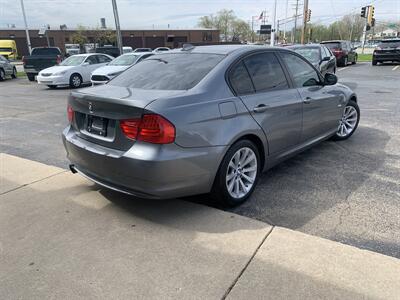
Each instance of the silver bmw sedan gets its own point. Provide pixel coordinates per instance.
(206, 119)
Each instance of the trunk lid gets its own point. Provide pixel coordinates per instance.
(97, 112)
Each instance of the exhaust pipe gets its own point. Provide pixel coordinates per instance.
(72, 168)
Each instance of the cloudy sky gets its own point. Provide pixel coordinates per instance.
(176, 13)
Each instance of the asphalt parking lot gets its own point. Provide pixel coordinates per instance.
(344, 191)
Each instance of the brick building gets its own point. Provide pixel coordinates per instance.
(172, 38)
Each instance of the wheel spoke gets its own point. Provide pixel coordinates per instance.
(249, 179)
(237, 188)
(250, 169)
(244, 187)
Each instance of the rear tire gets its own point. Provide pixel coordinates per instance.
(349, 121)
(374, 62)
(31, 77)
(14, 73)
(2, 75)
(237, 175)
(75, 81)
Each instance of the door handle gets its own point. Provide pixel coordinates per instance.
(307, 100)
(260, 108)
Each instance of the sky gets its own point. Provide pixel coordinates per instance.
(181, 14)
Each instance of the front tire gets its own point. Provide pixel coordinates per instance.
(238, 174)
(52, 86)
(374, 62)
(14, 73)
(355, 60)
(2, 75)
(31, 77)
(349, 121)
(75, 81)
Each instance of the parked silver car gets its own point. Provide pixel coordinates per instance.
(7, 69)
(204, 119)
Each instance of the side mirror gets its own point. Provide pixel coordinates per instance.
(355, 48)
(326, 58)
(330, 79)
(85, 63)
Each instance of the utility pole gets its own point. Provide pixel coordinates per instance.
(284, 25)
(117, 26)
(28, 40)
(305, 17)
(274, 26)
(365, 10)
(295, 22)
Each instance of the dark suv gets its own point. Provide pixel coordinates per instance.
(387, 50)
(343, 50)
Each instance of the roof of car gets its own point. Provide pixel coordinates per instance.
(304, 46)
(137, 53)
(224, 49)
(333, 41)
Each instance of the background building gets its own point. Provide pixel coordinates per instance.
(172, 38)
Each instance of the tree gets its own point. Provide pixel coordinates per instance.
(79, 37)
(230, 26)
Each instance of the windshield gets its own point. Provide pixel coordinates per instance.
(5, 49)
(332, 45)
(45, 51)
(73, 61)
(312, 54)
(124, 60)
(178, 71)
(391, 44)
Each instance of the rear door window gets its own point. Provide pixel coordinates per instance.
(168, 71)
(103, 59)
(333, 45)
(240, 80)
(266, 72)
(91, 60)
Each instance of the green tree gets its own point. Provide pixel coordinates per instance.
(79, 37)
(230, 26)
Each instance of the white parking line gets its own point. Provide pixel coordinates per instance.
(342, 69)
(395, 68)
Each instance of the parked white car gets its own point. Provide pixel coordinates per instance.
(74, 71)
(161, 49)
(117, 66)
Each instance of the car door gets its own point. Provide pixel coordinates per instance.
(87, 69)
(263, 87)
(322, 107)
(6, 65)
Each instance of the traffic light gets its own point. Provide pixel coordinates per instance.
(363, 12)
(371, 12)
(308, 15)
(373, 22)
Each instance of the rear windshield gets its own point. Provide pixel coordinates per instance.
(391, 44)
(45, 51)
(177, 71)
(312, 54)
(332, 45)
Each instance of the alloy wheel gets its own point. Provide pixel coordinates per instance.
(241, 173)
(348, 121)
(76, 81)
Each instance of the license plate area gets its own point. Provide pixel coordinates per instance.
(97, 125)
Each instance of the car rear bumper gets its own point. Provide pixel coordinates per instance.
(386, 56)
(52, 80)
(145, 170)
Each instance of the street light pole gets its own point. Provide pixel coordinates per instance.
(117, 26)
(274, 26)
(28, 40)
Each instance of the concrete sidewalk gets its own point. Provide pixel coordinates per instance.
(64, 237)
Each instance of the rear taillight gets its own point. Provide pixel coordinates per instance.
(70, 114)
(150, 128)
(58, 59)
(23, 60)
